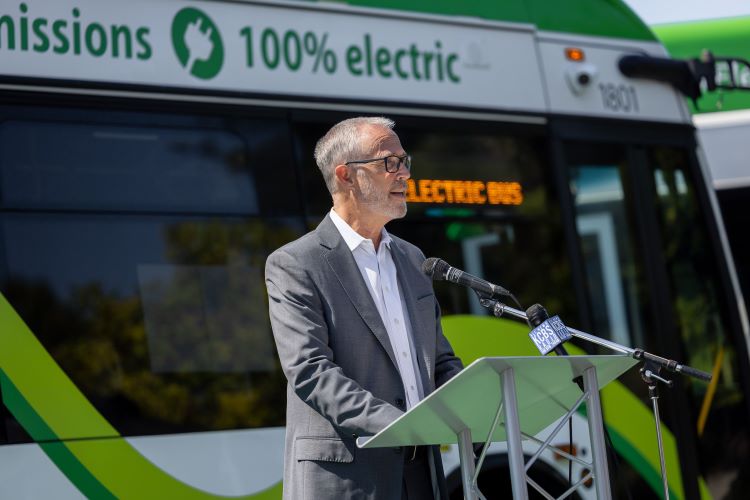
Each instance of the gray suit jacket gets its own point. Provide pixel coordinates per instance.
(341, 369)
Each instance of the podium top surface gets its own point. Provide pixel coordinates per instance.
(544, 389)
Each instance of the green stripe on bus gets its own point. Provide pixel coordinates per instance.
(55, 450)
(607, 18)
(128, 474)
(73, 434)
(57, 400)
(79, 475)
(34, 425)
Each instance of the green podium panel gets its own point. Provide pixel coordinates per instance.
(545, 391)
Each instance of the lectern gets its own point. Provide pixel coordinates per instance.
(507, 399)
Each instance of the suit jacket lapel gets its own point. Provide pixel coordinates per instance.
(343, 265)
(407, 275)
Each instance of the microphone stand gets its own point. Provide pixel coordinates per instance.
(650, 371)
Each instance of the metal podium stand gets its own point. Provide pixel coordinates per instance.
(505, 399)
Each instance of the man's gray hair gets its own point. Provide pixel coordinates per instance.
(344, 142)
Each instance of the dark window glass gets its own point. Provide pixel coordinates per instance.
(134, 245)
(720, 407)
(105, 165)
(482, 201)
(317, 198)
(11, 432)
(601, 182)
(161, 322)
(601, 190)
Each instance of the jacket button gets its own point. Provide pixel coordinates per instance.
(400, 402)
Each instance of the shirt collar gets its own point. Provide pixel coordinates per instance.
(351, 237)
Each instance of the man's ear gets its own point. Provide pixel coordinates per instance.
(343, 174)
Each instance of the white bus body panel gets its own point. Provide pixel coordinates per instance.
(608, 93)
(225, 463)
(293, 49)
(26, 472)
(724, 139)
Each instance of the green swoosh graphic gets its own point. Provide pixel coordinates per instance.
(73, 434)
(630, 422)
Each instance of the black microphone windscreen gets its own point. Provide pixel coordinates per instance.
(435, 268)
(536, 315)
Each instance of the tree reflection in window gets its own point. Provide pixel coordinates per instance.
(203, 361)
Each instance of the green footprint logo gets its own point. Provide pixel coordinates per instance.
(197, 43)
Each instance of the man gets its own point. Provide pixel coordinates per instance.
(357, 328)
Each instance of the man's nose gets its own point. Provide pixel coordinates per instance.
(403, 172)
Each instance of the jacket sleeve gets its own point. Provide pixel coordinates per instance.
(302, 340)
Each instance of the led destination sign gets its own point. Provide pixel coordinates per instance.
(464, 192)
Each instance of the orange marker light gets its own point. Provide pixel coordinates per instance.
(573, 54)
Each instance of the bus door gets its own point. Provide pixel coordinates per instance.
(651, 275)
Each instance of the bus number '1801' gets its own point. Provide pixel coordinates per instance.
(619, 97)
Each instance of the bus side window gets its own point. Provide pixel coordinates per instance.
(143, 238)
(123, 165)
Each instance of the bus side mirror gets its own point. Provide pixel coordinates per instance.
(704, 70)
(691, 77)
(674, 71)
(731, 73)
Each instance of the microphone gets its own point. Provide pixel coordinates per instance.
(548, 334)
(440, 270)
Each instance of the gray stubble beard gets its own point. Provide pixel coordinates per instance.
(378, 203)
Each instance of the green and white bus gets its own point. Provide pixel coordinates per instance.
(722, 119)
(153, 153)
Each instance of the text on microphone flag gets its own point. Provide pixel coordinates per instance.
(549, 334)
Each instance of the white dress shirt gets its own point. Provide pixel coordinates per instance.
(379, 273)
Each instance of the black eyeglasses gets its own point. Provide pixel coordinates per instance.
(392, 163)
